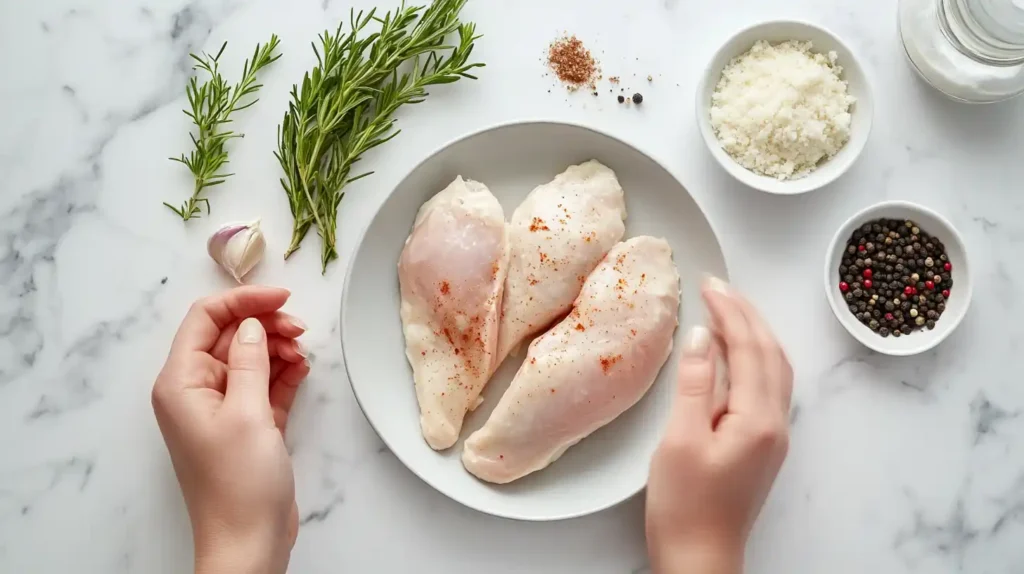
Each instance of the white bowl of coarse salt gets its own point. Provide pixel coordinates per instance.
(785, 107)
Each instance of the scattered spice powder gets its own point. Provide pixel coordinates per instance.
(538, 225)
(608, 362)
(614, 79)
(572, 62)
(580, 327)
(445, 288)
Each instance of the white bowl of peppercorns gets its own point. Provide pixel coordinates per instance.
(897, 277)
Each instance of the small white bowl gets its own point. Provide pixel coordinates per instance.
(824, 42)
(960, 295)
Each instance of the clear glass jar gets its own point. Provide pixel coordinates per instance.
(970, 50)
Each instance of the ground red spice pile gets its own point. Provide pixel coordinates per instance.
(572, 62)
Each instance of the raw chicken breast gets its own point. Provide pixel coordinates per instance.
(588, 369)
(452, 272)
(557, 235)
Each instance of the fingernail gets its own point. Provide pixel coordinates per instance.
(301, 349)
(250, 331)
(298, 323)
(697, 341)
(716, 284)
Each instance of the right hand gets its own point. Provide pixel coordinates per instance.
(711, 474)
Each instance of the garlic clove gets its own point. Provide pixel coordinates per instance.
(237, 247)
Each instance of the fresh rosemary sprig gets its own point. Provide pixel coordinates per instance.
(345, 105)
(212, 103)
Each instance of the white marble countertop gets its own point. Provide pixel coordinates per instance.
(896, 465)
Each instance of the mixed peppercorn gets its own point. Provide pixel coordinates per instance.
(895, 277)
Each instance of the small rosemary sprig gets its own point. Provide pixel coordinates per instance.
(345, 105)
(212, 103)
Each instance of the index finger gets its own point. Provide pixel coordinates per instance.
(778, 374)
(208, 316)
(747, 389)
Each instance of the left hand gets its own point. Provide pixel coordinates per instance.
(222, 402)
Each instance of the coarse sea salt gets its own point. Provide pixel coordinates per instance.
(780, 110)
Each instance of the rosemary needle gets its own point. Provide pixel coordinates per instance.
(212, 103)
(344, 106)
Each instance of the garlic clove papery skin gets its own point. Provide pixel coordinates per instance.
(237, 247)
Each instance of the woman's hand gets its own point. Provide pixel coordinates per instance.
(711, 474)
(222, 402)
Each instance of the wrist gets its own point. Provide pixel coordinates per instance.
(697, 557)
(224, 553)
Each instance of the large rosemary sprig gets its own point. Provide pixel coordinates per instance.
(212, 103)
(345, 105)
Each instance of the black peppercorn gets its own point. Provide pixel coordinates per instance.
(904, 260)
(637, 98)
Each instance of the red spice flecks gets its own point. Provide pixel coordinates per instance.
(532, 280)
(424, 353)
(643, 277)
(445, 288)
(607, 362)
(633, 331)
(501, 457)
(494, 270)
(543, 257)
(621, 285)
(620, 259)
(533, 361)
(552, 391)
(572, 62)
(457, 351)
(538, 225)
(448, 335)
(581, 278)
(580, 327)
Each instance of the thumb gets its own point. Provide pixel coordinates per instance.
(249, 368)
(695, 388)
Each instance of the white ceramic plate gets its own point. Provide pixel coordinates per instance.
(824, 41)
(609, 466)
(959, 297)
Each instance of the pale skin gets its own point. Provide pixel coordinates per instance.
(223, 398)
